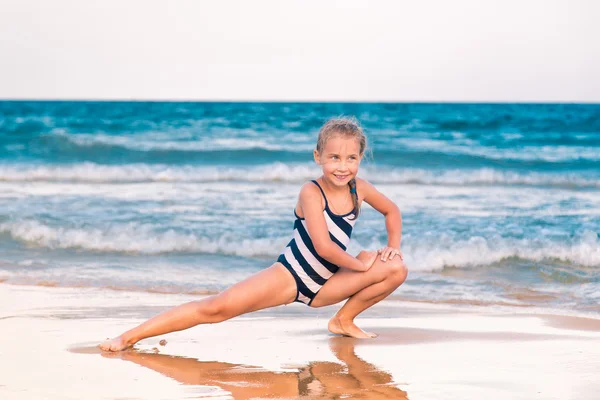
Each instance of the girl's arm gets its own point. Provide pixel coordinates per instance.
(391, 212)
(312, 209)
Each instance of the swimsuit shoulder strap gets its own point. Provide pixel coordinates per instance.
(322, 192)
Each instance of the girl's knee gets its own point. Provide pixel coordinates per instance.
(214, 309)
(396, 270)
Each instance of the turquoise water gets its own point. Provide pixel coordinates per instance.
(501, 203)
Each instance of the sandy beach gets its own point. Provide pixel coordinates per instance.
(424, 351)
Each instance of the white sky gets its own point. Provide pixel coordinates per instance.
(420, 50)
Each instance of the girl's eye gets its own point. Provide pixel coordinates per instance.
(334, 157)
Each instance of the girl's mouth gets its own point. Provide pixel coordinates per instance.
(341, 177)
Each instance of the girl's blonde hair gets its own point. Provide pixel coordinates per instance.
(347, 127)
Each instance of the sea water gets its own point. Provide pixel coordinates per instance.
(500, 202)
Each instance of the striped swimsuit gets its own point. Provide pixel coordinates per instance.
(310, 270)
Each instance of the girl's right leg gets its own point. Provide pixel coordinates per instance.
(268, 288)
(363, 290)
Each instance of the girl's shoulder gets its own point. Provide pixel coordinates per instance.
(310, 192)
(309, 187)
(363, 187)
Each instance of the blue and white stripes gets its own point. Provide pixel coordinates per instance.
(300, 257)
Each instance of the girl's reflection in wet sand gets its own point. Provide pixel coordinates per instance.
(351, 378)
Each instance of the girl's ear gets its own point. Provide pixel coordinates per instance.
(316, 156)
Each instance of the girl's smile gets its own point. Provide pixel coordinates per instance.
(339, 159)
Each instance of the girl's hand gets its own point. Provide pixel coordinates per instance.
(367, 257)
(389, 253)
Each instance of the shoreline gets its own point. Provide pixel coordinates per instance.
(453, 304)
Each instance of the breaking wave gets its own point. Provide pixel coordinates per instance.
(279, 172)
(427, 254)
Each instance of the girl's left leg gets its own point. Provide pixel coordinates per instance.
(268, 288)
(363, 290)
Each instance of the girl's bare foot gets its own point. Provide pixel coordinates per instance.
(116, 344)
(348, 328)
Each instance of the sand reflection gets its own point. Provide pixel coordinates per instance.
(351, 377)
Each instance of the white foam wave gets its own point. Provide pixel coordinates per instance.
(279, 172)
(525, 153)
(448, 252)
(188, 141)
(179, 141)
(136, 238)
(128, 173)
(427, 254)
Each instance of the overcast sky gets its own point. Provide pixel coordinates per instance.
(420, 50)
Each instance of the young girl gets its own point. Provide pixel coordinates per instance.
(314, 268)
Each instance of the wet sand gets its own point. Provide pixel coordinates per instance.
(49, 335)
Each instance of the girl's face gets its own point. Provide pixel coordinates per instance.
(339, 159)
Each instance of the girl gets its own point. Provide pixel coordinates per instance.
(314, 268)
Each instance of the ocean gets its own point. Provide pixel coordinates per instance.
(500, 202)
